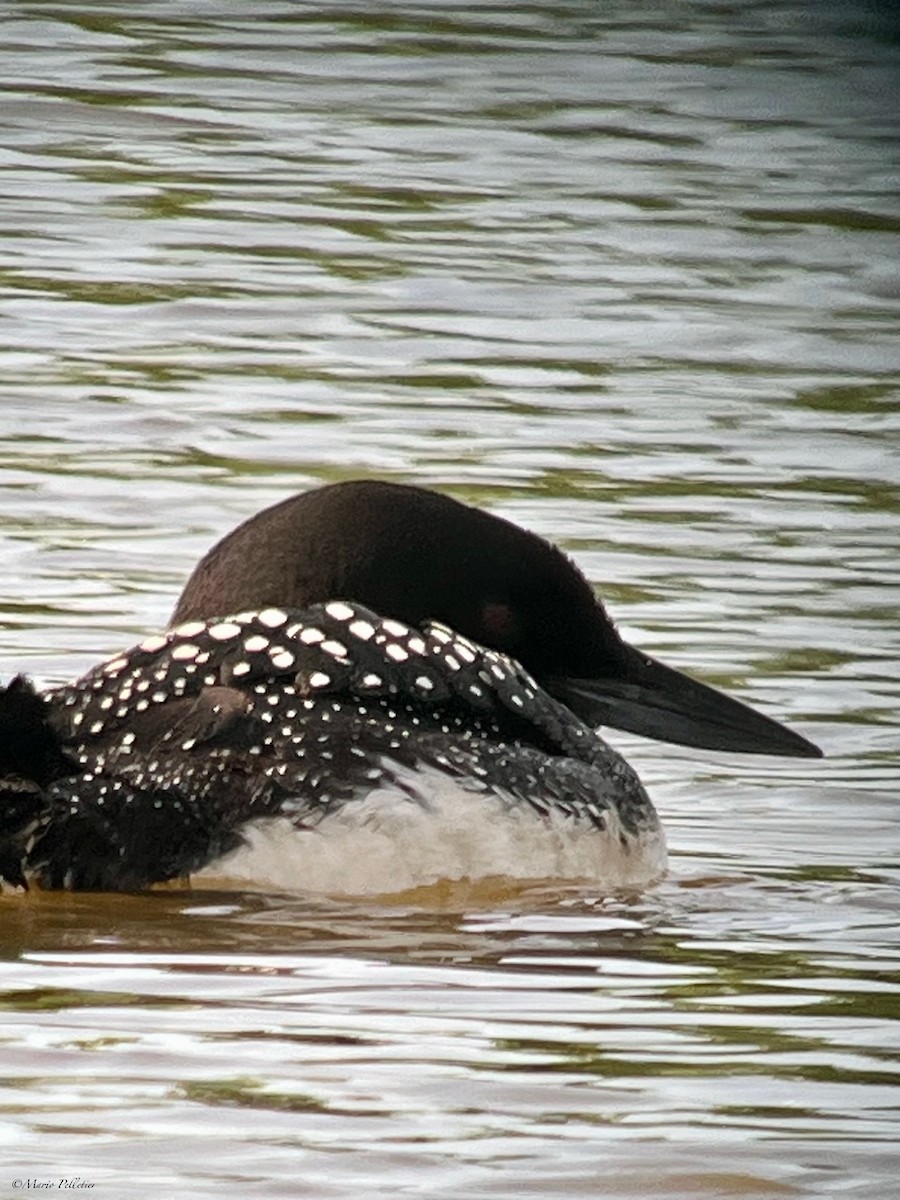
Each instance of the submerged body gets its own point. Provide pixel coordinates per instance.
(404, 691)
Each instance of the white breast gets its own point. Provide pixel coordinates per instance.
(428, 828)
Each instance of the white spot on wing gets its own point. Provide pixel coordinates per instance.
(339, 610)
(362, 629)
(224, 630)
(189, 629)
(273, 617)
(151, 644)
(187, 650)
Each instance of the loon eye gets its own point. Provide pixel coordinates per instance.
(500, 624)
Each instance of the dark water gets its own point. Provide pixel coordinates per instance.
(627, 274)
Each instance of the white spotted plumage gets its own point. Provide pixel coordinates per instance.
(327, 704)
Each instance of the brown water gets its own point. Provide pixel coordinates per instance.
(627, 274)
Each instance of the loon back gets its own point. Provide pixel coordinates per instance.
(195, 734)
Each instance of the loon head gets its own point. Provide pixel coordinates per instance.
(414, 554)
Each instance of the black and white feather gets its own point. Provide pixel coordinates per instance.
(185, 742)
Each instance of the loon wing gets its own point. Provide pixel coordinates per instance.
(192, 734)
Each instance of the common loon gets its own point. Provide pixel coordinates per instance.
(353, 662)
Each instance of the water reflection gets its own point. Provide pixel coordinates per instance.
(546, 1020)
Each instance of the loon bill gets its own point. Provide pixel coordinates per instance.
(375, 684)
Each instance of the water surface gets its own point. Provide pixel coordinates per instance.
(628, 277)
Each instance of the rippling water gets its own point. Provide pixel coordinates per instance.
(627, 274)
